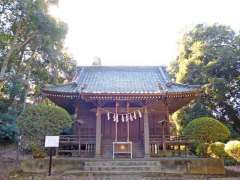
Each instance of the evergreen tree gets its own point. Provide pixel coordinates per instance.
(210, 56)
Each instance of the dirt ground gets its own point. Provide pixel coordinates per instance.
(122, 177)
(7, 160)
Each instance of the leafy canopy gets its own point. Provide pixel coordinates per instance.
(32, 55)
(206, 130)
(31, 40)
(209, 56)
(31, 46)
(40, 120)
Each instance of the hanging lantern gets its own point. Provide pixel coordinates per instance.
(134, 115)
(122, 118)
(108, 116)
(131, 118)
(139, 113)
(116, 118)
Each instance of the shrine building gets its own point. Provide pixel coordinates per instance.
(121, 110)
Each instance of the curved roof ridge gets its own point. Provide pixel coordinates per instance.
(77, 75)
(120, 66)
(59, 85)
(163, 74)
(187, 85)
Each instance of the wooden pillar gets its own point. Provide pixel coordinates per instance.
(116, 121)
(77, 126)
(76, 117)
(128, 123)
(163, 136)
(146, 134)
(164, 126)
(98, 133)
(179, 150)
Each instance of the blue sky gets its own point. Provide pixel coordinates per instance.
(136, 32)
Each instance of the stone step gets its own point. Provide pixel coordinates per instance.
(122, 168)
(145, 173)
(123, 163)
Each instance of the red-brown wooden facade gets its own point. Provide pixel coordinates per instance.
(94, 132)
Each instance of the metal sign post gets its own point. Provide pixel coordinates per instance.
(50, 161)
(51, 142)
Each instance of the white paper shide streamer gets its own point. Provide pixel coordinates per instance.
(140, 114)
(124, 117)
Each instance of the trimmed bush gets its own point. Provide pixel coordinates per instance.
(38, 152)
(201, 149)
(40, 120)
(232, 148)
(206, 130)
(216, 150)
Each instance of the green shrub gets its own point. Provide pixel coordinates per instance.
(38, 152)
(8, 128)
(8, 115)
(216, 150)
(206, 130)
(201, 149)
(40, 120)
(232, 148)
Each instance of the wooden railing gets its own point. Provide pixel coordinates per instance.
(84, 145)
(174, 145)
(168, 139)
(74, 145)
(69, 139)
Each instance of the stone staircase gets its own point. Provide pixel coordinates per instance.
(123, 166)
(126, 166)
(140, 166)
(149, 167)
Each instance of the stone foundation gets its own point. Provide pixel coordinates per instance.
(181, 166)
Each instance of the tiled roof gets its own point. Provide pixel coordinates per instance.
(121, 79)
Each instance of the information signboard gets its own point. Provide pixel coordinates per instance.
(51, 141)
